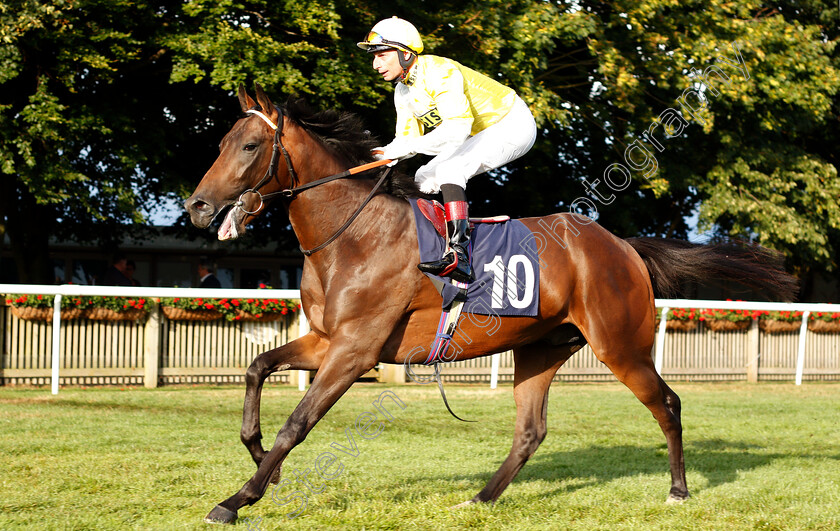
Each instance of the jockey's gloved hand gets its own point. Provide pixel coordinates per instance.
(396, 150)
(379, 154)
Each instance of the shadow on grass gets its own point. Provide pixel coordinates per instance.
(719, 461)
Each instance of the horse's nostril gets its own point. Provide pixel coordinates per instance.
(196, 205)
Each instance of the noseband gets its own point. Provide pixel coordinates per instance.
(290, 193)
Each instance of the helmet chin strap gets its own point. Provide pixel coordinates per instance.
(405, 63)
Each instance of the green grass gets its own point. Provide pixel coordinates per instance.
(761, 456)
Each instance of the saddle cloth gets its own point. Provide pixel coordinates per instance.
(504, 258)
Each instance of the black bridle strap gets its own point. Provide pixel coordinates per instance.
(310, 252)
(291, 192)
(280, 148)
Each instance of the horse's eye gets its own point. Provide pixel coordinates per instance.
(250, 147)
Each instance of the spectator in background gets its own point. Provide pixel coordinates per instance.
(130, 268)
(116, 274)
(205, 273)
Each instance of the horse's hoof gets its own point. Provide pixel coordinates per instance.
(463, 504)
(673, 498)
(220, 515)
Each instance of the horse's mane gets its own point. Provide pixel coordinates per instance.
(344, 134)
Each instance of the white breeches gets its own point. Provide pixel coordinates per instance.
(502, 142)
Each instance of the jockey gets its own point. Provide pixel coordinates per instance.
(467, 121)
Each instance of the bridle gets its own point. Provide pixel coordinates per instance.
(290, 193)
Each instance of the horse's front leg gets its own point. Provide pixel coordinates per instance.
(304, 353)
(335, 376)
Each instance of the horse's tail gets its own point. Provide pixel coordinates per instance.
(671, 263)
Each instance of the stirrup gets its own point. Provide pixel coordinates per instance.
(451, 265)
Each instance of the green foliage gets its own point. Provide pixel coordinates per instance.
(231, 308)
(786, 316)
(683, 314)
(109, 105)
(32, 301)
(829, 317)
(117, 304)
(728, 315)
(679, 314)
(190, 303)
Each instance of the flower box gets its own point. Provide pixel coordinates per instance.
(679, 319)
(824, 327)
(824, 322)
(725, 325)
(718, 320)
(185, 314)
(779, 322)
(106, 314)
(40, 307)
(28, 313)
(681, 326)
(261, 317)
(776, 326)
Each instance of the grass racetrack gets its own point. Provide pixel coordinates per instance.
(763, 456)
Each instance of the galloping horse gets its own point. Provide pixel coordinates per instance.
(367, 302)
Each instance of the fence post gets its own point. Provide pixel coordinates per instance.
(151, 346)
(660, 341)
(56, 342)
(752, 352)
(800, 351)
(303, 329)
(494, 370)
(392, 373)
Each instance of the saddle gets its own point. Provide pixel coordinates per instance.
(434, 212)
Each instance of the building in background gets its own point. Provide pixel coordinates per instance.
(167, 261)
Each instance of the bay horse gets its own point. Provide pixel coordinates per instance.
(367, 303)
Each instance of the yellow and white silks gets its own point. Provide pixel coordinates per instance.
(467, 121)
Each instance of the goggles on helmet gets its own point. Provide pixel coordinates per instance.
(377, 43)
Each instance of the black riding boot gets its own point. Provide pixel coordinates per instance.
(455, 262)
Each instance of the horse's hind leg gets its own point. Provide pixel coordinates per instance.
(535, 366)
(641, 378)
(303, 353)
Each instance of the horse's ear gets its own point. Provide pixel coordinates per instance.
(264, 101)
(245, 101)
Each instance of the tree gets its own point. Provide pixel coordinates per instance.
(138, 95)
(87, 121)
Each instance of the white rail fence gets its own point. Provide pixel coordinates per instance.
(689, 355)
(148, 339)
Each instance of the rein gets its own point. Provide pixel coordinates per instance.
(290, 193)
